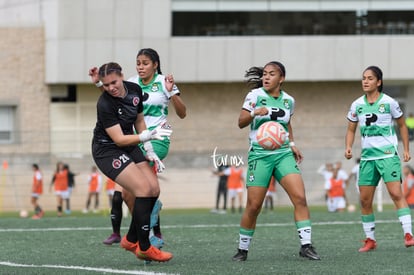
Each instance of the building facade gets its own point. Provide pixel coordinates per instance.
(47, 109)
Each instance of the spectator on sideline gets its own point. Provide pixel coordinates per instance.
(94, 189)
(37, 190)
(60, 183)
(408, 185)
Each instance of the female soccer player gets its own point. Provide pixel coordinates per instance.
(159, 91)
(375, 112)
(115, 151)
(267, 101)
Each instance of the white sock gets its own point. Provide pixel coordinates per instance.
(244, 242)
(305, 235)
(369, 229)
(406, 223)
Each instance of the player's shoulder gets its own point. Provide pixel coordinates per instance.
(133, 79)
(285, 95)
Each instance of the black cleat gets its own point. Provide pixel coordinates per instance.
(241, 255)
(307, 251)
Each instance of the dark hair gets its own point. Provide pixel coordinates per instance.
(109, 68)
(378, 73)
(35, 166)
(254, 74)
(153, 55)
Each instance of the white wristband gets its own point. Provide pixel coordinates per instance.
(291, 144)
(252, 114)
(99, 84)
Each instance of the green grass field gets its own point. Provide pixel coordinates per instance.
(203, 243)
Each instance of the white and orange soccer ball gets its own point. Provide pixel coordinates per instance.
(271, 135)
(23, 214)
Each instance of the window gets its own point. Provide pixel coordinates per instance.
(7, 124)
(241, 23)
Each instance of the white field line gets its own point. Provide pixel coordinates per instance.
(77, 268)
(187, 226)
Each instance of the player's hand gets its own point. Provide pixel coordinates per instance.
(152, 156)
(170, 86)
(161, 131)
(406, 157)
(94, 74)
(348, 153)
(297, 154)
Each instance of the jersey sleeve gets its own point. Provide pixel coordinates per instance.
(352, 115)
(249, 102)
(396, 111)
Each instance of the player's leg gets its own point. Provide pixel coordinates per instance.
(116, 217)
(142, 183)
(403, 211)
(295, 188)
(88, 203)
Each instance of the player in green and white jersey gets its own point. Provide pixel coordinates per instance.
(267, 101)
(375, 113)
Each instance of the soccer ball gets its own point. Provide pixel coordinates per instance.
(271, 135)
(24, 214)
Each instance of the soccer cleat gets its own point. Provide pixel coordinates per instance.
(36, 217)
(408, 240)
(127, 245)
(113, 238)
(240, 256)
(157, 242)
(308, 251)
(153, 254)
(369, 244)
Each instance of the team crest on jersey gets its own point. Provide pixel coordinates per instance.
(135, 101)
(116, 163)
(251, 177)
(381, 108)
(252, 104)
(286, 103)
(154, 87)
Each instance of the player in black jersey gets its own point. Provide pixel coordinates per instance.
(115, 151)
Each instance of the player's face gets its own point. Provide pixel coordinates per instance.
(146, 68)
(370, 82)
(113, 85)
(272, 77)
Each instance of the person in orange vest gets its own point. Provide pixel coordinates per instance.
(37, 190)
(60, 182)
(335, 193)
(235, 183)
(270, 194)
(95, 183)
(408, 185)
(110, 190)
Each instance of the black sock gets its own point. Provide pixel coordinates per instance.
(141, 215)
(116, 212)
(67, 204)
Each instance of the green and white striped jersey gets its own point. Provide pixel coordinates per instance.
(156, 99)
(378, 137)
(282, 109)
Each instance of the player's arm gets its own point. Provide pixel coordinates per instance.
(298, 155)
(246, 117)
(404, 137)
(94, 74)
(349, 138)
(174, 96)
